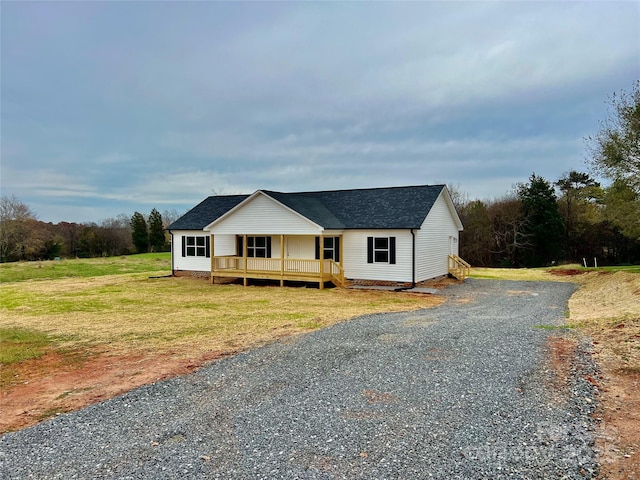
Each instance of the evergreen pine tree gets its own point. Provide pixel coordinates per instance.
(543, 221)
(156, 231)
(139, 233)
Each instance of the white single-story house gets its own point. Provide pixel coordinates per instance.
(389, 236)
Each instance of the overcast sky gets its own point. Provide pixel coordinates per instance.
(113, 107)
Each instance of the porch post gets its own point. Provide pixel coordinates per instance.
(281, 260)
(244, 255)
(341, 243)
(213, 261)
(321, 262)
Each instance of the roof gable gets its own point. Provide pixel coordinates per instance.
(258, 214)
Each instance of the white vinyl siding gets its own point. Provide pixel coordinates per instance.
(224, 245)
(437, 235)
(264, 216)
(189, 263)
(355, 256)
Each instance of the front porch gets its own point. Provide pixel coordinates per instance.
(246, 266)
(283, 269)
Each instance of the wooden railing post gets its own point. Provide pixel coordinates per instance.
(321, 262)
(213, 259)
(458, 267)
(282, 260)
(244, 257)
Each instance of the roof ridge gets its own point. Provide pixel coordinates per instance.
(355, 189)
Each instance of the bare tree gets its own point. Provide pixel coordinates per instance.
(509, 231)
(170, 216)
(14, 230)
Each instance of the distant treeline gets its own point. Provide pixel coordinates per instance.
(24, 237)
(535, 226)
(540, 223)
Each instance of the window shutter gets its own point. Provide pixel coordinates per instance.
(207, 246)
(317, 248)
(336, 249)
(239, 246)
(369, 249)
(184, 246)
(392, 250)
(268, 247)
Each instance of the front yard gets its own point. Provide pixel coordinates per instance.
(76, 332)
(79, 338)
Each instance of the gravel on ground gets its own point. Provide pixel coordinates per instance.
(461, 391)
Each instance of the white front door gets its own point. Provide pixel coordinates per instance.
(293, 247)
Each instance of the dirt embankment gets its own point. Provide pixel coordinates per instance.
(607, 309)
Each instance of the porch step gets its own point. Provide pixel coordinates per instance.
(458, 268)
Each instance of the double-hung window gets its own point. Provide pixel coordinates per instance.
(195, 246)
(381, 250)
(257, 247)
(331, 248)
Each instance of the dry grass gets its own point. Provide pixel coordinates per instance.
(133, 312)
(605, 296)
(607, 308)
(521, 274)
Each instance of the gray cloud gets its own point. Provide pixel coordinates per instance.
(113, 107)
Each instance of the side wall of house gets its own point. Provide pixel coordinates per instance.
(223, 245)
(180, 262)
(436, 239)
(355, 256)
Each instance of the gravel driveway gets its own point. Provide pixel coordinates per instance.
(461, 391)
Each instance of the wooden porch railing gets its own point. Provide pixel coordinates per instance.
(298, 269)
(458, 267)
(337, 273)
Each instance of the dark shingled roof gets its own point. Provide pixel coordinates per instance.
(206, 212)
(373, 208)
(394, 207)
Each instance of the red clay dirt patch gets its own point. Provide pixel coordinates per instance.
(618, 414)
(561, 350)
(566, 272)
(57, 383)
(619, 437)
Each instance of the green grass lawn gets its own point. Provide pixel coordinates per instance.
(126, 303)
(159, 263)
(18, 344)
(622, 268)
(544, 273)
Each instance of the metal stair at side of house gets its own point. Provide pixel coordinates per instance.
(458, 268)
